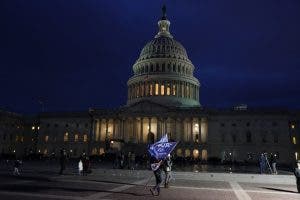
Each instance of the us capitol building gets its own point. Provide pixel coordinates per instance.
(163, 97)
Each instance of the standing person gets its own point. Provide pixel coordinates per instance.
(16, 167)
(273, 160)
(262, 163)
(156, 168)
(167, 169)
(80, 167)
(297, 174)
(132, 158)
(62, 161)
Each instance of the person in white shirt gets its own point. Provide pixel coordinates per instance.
(80, 167)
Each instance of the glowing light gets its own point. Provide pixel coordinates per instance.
(32, 127)
(294, 140)
(293, 126)
(111, 142)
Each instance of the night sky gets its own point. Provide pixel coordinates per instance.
(74, 54)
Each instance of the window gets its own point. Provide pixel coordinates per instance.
(85, 138)
(168, 90)
(46, 138)
(151, 89)
(174, 90)
(17, 138)
(264, 138)
(275, 138)
(162, 89)
(222, 124)
(234, 138)
(67, 125)
(156, 88)
(66, 137)
(4, 137)
(163, 67)
(248, 124)
(223, 137)
(233, 124)
(294, 140)
(248, 137)
(76, 138)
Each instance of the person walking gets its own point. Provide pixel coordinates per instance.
(273, 160)
(167, 169)
(17, 164)
(297, 174)
(156, 168)
(262, 163)
(80, 167)
(62, 161)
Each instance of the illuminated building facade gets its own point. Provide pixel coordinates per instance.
(163, 98)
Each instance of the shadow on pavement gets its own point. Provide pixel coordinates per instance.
(39, 188)
(279, 190)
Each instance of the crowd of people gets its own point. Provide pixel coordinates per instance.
(268, 163)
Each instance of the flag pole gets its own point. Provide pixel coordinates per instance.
(148, 181)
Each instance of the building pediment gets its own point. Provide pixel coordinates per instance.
(146, 107)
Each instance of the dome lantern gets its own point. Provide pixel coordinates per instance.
(164, 25)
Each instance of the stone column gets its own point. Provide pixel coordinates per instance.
(142, 131)
(100, 126)
(191, 135)
(114, 129)
(149, 125)
(106, 133)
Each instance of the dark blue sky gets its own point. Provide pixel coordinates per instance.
(79, 54)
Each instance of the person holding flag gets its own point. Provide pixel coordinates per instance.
(159, 152)
(156, 168)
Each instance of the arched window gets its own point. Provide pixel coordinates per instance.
(163, 67)
(174, 68)
(151, 68)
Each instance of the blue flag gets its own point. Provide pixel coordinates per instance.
(162, 148)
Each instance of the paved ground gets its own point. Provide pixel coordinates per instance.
(35, 184)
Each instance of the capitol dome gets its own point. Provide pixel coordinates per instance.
(163, 72)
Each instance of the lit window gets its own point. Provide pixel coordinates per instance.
(32, 127)
(168, 90)
(292, 126)
(294, 140)
(85, 137)
(296, 155)
(45, 151)
(76, 138)
(38, 128)
(162, 90)
(46, 138)
(66, 137)
(156, 88)
(174, 89)
(17, 138)
(22, 138)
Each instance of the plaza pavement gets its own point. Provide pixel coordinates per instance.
(44, 183)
